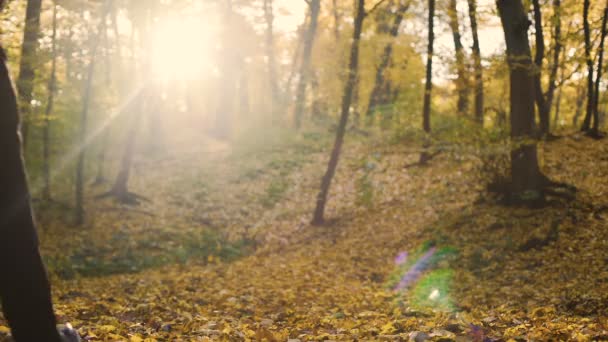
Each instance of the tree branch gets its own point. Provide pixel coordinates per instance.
(374, 8)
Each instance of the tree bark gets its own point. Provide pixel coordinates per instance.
(24, 290)
(543, 107)
(318, 217)
(587, 32)
(378, 96)
(27, 65)
(479, 92)
(46, 130)
(598, 78)
(309, 39)
(428, 88)
(525, 174)
(462, 86)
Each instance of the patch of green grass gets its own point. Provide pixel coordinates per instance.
(102, 261)
(274, 192)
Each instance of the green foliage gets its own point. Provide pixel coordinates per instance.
(274, 192)
(88, 261)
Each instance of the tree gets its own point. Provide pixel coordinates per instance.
(526, 179)
(600, 63)
(318, 217)
(428, 87)
(27, 65)
(462, 86)
(478, 68)
(308, 39)
(544, 100)
(46, 153)
(378, 95)
(24, 289)
(270, 54)
(589, 60)
(84, 114)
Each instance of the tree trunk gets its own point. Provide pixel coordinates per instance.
(587, 31)
(120, 189)
(428, 88)
(558, 101)
(46, 130)
(462, 86)
(228, 81)
(525, 174)
(378, 96)
(27, 65)
(24, 290)
(318, 217)
(272, 65)
(541, 102)
(309, 38)
(479, 92)
(598, 78)
(86, 99)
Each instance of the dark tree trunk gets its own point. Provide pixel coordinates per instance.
(428, 88)
(27, 65)
(378, 96)
(587, 31)
(46, 130)
(272, 65)
(86, 99)
(318, 217)
(120, 189)
(598, 78)
(479, 92)
(525, 174)
(462, 86)
(309, 38)
(541, 102)
(24, 290)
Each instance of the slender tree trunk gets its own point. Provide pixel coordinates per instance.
(272, 65)
(598, 77)
(378, 96)
(27, 65)
(120, 189)
(24, 290)
(541, 102)
(558, 101)
(86, 99)
(587, 31)
(336, 14)
(428, 88)
(309, 38)
(46, 130)
(228, 81)
(525, 174)
(318, 217)
(479, 92)
(462, 86)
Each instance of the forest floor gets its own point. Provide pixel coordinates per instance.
(499, 273)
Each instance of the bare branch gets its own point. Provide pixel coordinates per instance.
(374, 8)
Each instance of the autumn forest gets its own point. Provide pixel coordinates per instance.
(303, 170)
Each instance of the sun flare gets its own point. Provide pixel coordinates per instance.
(181, 49)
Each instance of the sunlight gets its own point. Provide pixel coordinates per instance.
(181, 50)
